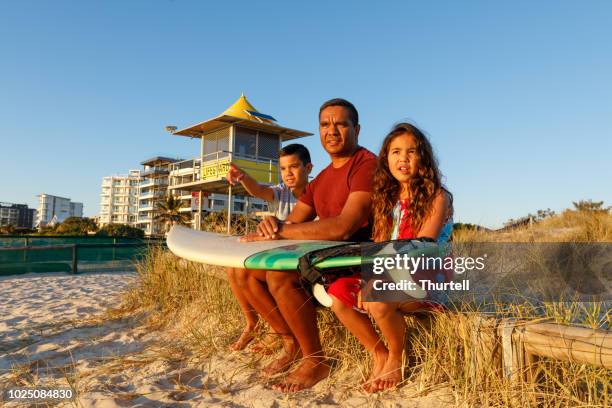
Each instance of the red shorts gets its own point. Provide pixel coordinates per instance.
(346, 290)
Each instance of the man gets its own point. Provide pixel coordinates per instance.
(340, 197)
(295, 166)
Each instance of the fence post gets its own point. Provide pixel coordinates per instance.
(25, 250)
(74, 258)
(505, 330)
(246, 213)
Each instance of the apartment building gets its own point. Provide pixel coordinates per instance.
(153, 189)
(119, 199)
(132, 199)
(56, 209)
(17, 215)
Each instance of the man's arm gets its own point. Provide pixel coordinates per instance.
(236, 174)
(340, 228)
(300, 213)
(269, 226)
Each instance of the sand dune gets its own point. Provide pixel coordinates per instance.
(54, 332)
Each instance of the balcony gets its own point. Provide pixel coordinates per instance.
(185, 165)
(208, 173)
(154, 183)
(152, 195)
(155, 171)
(184, 172)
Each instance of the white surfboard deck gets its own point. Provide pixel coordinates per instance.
(220, 249)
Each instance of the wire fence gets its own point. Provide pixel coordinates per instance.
(10, 241)
(71, 254)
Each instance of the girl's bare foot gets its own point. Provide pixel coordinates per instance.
(391, 374)
(379, 358)
(310, 371)
(245, 338)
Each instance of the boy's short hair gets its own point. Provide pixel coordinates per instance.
(353, 114)
(296, 148)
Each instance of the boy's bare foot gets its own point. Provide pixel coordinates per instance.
(269, 344)
(391, 374)
(245, 338)
(287, 357)
(310, 371)
(379, 358)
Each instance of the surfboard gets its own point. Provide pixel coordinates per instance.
(226, 250)
(284, 255)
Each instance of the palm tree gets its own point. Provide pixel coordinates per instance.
(170, 212)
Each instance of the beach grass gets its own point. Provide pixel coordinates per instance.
(454, 351)
(569, 226)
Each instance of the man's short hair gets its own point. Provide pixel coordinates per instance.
(354, 115)
(296, 148)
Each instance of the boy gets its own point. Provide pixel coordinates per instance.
(295, 166)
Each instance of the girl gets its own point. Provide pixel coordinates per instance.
(408, 201)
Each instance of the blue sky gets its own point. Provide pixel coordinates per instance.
(515, 96)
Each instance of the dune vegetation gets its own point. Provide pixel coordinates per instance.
(456, 351)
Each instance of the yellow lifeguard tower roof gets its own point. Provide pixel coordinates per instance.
(241, 108)
(242, 111)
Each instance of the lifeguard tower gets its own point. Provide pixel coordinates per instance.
(242, 135)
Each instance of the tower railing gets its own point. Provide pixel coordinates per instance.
(215, 165)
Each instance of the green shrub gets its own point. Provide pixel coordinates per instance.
(120, 230)
(75, 226)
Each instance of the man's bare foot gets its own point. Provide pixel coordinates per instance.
(390, 376)
(245, 338)
(379, 358)
(310, 371)
(287, 357)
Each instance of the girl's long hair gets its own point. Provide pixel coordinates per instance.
(423, 187)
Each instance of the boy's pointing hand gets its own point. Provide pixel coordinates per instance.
(234, 174)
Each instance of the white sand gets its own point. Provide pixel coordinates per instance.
(34, 305)
(52, 332)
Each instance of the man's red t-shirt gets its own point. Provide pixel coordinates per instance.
(328, 192)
